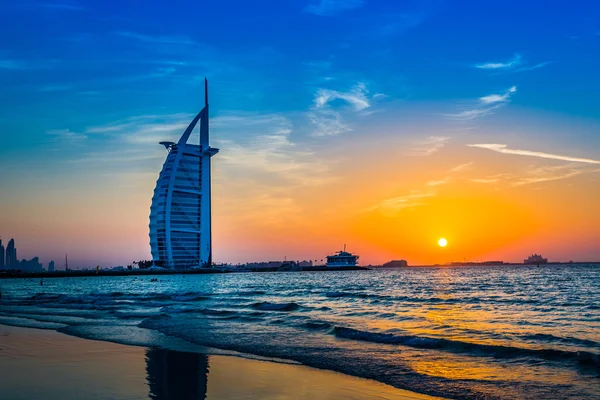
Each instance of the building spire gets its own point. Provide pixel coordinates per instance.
(205, 91)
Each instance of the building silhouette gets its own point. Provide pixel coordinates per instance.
(1, 255)
(33, 265)
(395, 264)
(180, 215)
(51, 266)
(12, 261)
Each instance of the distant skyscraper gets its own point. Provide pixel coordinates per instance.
(11, 255)
(180, 215)
(51, 266)
(1, 255)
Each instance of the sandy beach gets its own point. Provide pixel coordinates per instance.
(44, 364)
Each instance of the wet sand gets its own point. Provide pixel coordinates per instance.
(43, 364)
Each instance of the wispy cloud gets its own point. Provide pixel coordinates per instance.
(129, 144)
(515, 64)
(391, 207)
(427, 147)
(472, 114)
(144, 128)
(461, 167)
(545, 174)
(264, 167)
(515, 61)
(536, 174)
(327, 8)
(66, 135)
(485, 105)
(357, 97)
(269, 151)
(256, 148)
(438, 182)
(502, 148)
(157, 39)
(326, 115)
(485, 180)
(328, 123)
(497, 98)
(536, 66)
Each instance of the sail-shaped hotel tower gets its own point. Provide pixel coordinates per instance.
(180, 215)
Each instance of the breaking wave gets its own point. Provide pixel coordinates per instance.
(475, 349)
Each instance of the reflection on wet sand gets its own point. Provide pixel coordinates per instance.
(174, 375)
(64, 367)
(185, 376)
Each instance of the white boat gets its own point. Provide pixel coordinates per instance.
(342, 259)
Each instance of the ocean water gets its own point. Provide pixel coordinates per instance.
(495, 332)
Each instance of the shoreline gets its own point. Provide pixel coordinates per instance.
(69, 367)
(11, 274)
(142, 272)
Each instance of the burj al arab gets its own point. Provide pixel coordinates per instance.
(180, 215)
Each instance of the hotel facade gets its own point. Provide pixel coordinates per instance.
(180, 215)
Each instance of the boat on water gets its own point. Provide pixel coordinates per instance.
(342, 258)
(535, 259)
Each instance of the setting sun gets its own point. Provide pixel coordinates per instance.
(442, 242)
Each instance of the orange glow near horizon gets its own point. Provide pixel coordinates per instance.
(384, 204)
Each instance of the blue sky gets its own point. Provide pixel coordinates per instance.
(265, 55)
(88, 87)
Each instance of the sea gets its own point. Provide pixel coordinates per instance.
(477, 332)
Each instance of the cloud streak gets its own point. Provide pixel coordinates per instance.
(326, 115)
(536, 66)
(461, 167)
(498, 98)
(468, 115)
(439, 182)
(270, 152)
(255, 148)
(502, 148)
(391, 207)
(357, 97)
(66, 135)
(485, 105)
(431, 145)
(515, 64)
(328, 123)
(534, 175)
(484, 180)
(545, 174)
(512, 63)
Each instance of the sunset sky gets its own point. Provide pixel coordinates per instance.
(384, 125)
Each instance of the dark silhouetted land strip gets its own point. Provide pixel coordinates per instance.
(143, 272)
